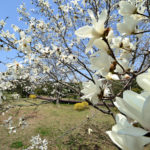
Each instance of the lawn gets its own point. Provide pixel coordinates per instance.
(62, 126)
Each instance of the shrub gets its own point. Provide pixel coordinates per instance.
(86, 104)
(81, 106)
(32, 96)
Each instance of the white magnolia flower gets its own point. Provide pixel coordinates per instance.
(24, 43)
(126, 8)
(135, 106)
(128, 27)
(117, 42)
(124, 63)
(99, 43)
(143, 81)
(93, 32)
(123, 44)
(131, 7)
(101, 63)
(15, 67)
(127, 137)
(91, 90)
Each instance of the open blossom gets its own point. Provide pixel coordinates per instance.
(101, 45)
(135, 106)
(124, 62)
(24, 43)
(15, 65)
(143, 81)
(126, 8)
(127, 137)
(131, 7)
(91, 90)
(93, 32)
(101, 63)
(120, 43)
(128, 26)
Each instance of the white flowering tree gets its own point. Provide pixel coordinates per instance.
(95, 42)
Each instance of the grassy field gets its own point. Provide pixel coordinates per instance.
(63, 127)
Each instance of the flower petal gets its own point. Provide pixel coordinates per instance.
(127, 142)
(84, 32)
(133, 99)
(92, 16)
(145, 113)
(103, 16)
(99, 43)
(133, 131)
(89, 45)
(126, 8)
(128, 26)
(127, 109)
(143, 81)
(99, 26)
(115, 138)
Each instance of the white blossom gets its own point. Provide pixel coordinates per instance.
(91, 90)
(101, 63)
(126, 8)
(128, 27)
(93, 32)
(135, 106)
(127, 137)
(143, 81)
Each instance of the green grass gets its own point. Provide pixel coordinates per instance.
(16, 144)
(63, 127)
(43, 131)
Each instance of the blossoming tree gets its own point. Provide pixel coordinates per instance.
(95, 42)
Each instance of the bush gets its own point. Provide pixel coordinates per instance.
(81, 106)
(32, 96)
(86, 104)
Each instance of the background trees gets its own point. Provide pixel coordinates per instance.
(76, 41)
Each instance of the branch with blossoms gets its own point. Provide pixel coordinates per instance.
(123, 134)
(56, 49)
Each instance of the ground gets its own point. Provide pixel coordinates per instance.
(63, 127)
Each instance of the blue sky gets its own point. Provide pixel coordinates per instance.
(8, 8)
